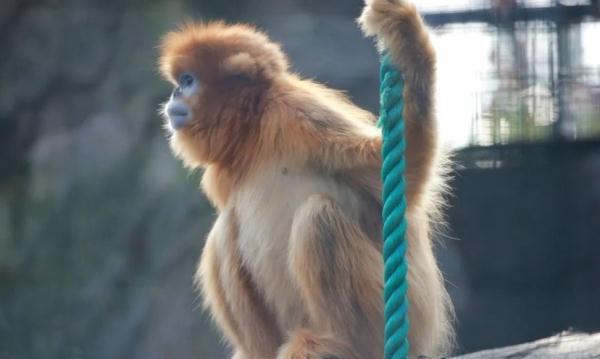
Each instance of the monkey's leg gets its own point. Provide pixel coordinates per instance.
(232, 298)
(337, 269)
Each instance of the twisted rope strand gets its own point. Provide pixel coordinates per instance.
(394, 207)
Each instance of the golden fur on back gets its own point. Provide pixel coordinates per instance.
(292, 267)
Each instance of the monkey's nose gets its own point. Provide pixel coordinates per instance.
(179, 114)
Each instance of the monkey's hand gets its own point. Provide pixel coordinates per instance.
(379, 17)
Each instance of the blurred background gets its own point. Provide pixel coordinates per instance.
(101, 228)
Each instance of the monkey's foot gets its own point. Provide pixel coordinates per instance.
(239, 355)
(304, 344)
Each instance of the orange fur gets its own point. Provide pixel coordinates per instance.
(292, 268)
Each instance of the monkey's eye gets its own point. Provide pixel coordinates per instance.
(186, 80)
(187, 85)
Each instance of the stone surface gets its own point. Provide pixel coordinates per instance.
(565, 345)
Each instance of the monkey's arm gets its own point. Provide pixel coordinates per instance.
(234, 304)
(401, 31)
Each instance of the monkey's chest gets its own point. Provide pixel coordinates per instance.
(265, 210)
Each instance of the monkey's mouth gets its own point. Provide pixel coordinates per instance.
(178, 114)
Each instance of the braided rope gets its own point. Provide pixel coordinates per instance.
(394, 206)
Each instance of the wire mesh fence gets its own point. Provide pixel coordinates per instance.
(530, 78)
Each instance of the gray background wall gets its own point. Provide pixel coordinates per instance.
(523, 248)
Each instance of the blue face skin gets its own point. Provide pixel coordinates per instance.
(178, 112)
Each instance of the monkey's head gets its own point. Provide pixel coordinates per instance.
(221, 76)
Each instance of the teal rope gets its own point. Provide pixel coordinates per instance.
(394, 206)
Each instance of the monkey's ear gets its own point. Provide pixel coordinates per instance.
(241, 64)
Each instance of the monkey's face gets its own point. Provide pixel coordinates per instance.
(221, 76)
(177, 111)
